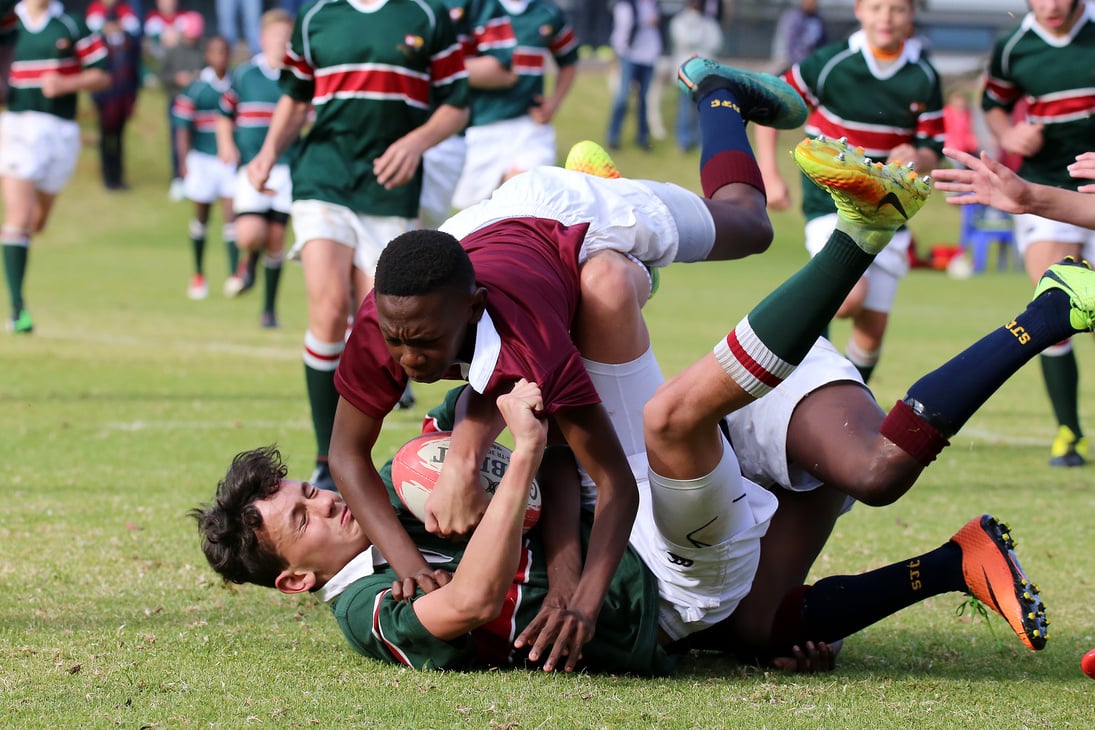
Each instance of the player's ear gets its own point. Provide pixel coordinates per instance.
(478, 303)
(295, 581)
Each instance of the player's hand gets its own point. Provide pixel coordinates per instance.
(902, 154)
(404, 589)
(398, 163)
(522, 408)
(258, 172)
(1084, 167)
(455, 506)
(779, 195)
(541, 111)
(1023, 139)
(52, 85)
(229, 155)
(985, 182)
(820, 657)
(560, 635)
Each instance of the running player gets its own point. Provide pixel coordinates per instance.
(54, 58)
(246, 109)
(511, 130)
(1060, 121)
(879, 91)
(206, 178)
(372, 70)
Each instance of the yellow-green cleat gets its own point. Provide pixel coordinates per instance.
(872, 199)
(1068, 449)
(592, 159)
(21, 324)
(1076, 279)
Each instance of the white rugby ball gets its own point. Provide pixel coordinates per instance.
(417, 467)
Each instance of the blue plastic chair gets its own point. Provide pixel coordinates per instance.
(983, 226)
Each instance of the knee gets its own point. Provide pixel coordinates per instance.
(667, 419)
(614, 281)
(328, 316)
(881, 487)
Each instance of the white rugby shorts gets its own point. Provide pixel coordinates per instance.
(1030, 228)
(441, 168)
(39, 147)
(208, 178)
(367, 235)
(498, 148)
(249, 200)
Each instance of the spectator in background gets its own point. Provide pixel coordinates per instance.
(637, 40)
(120, 28)
(247, 11)
(181, 61)
(165, 15)
(692, 33)
(958, 124)
(799, 32)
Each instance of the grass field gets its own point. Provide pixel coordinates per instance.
(124, 407)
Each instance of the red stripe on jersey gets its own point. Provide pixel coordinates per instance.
(300, 68)
(91, 49)
(564, 42)
(529, 62)
(206, 121)
(794, 78)
(930, 126)
(1063, 108)
(467, 43)
(230, 102)
(876, 142)
(183, 107)
(494, 639)
(757, 370)
(447, 65)
(1003, 92)
(497, 33)
(251, 114)
(368, 79)
(9, 22)
(378, 631)
(30, 73)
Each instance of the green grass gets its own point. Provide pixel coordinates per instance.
(122, 410)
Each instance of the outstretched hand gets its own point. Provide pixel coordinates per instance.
(819, 657)
(985, 182)
(1084, 167)
(560, 633)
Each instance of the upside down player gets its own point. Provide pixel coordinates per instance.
(503, 305)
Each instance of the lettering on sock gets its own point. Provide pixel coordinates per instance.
(914, 574)
(1020, 334)
(725, 104)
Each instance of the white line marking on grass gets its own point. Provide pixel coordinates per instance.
(259, 351)
(992, 437)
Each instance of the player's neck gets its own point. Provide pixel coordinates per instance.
(885, 56)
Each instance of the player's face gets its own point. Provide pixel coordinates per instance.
(274, 40)
(216, 55)
(424, 334)
(311, 528)
(1056, 16)
(887, 23)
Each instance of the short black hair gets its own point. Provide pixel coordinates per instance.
(423, 262)
(230, 526)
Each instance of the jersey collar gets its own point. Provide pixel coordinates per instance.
(54, 10)
(488, 345)
(909, 54)
(364, 565)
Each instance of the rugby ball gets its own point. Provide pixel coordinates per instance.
(417, 466)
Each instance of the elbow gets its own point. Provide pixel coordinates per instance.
(473, 609)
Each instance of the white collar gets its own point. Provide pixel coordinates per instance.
(364, 565)
(209, 76)
(488, 345)
(1029, 23)
(515, 7)
(267, 70)
(910, 53)
(53, 10)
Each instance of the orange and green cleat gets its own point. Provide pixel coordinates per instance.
(872, 199)
(591, 158)
(994, 577)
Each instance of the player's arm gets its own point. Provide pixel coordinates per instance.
(1018, 138)
(478, 589)
(988, 182)
(544, 113)
(290, 116)
(226, 142)
(591, 436)
(765, 143)
(559, 527)
(487, 72)
(458, 501)
(352, 441)
(397, 165)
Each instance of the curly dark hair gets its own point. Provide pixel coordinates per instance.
(423, 262)
(230, 526)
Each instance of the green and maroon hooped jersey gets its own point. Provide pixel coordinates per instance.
(61, 44)
(875, 107)
(1055, 78)
(249, 102)
(372, 75)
